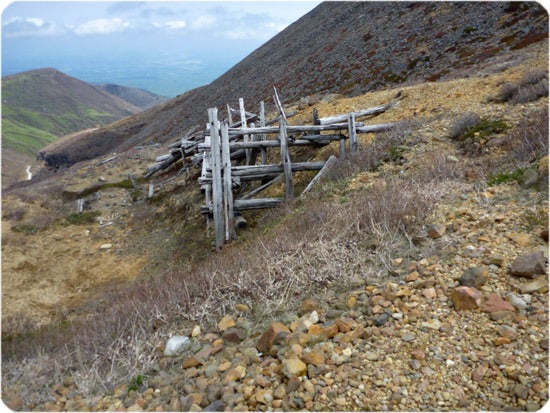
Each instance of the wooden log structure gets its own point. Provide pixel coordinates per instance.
(228, 152)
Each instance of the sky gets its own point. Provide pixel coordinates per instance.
(166, 47)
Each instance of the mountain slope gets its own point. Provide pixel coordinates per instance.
(339, 47)
(138, 97)
(41, 105)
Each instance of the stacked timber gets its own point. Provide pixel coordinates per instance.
(227, 152)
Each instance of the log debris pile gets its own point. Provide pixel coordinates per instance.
(232, 153)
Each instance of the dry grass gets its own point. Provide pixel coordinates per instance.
(330, 240)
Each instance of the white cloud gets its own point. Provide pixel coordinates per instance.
(202, 22)
(29, 26)
(175, 24)
(102, 26)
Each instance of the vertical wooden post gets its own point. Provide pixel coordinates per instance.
(229, 117)
(353, 146)
(217, 185)
(246, 138)
(230, 232)
(151, 190)
(285, 156)
(285, 159)
(79, 205)
(342, 149)
(207, 188)
(263, 136)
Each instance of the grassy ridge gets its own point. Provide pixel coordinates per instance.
(23, 138)
(40, 105)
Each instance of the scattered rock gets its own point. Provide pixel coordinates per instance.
(226, 322)
(381, 319)
(474, 277)
(196, 331)
(435, 231)
(308, 306)
(432, 324)
(520, 239)
(529, 265)
(516, 301)
(538, 285)
(465, 298)
(293, 367)
(106, 246)
(314, 357)
(494, 303)
(176, 345)
(497, 259)
(233, 335)
(275, 333)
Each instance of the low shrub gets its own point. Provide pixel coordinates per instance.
(530, 88)
(529, 141)
(83, 218)
(463, 124)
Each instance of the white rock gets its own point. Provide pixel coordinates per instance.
(433, 324)
(175, 345)
(106, 246)
(517, 302)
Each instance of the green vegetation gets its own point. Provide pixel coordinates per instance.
(124, 184)
(83, 218)
(28, 229)
(40, 105)
(506, 177)
(485, 128)
(135, 383)
(23, 138)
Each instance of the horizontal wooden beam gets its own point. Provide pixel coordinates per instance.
(249, 204)
(275, 129)
(305, 141)
(364, 112)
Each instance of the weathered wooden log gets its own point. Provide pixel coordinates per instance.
(263, 136)
(352, 132)
(376, 128)
(285, 159)
(107, 160)
(256, 191)
(370, 111)
(307, 140)
(227, 186)
(249, 204)
(217, 186)
(326, 168)
(187, 136)
(291, 128)
(267, 169)
(246, 137)
(254, 172)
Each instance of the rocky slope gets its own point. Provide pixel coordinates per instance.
(339, 47)
(368, 318)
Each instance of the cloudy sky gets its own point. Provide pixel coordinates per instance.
(86, 37)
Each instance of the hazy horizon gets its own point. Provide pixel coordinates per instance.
(163, 47)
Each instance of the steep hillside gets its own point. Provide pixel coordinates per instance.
(412, 278)
(339, 47)
(41, 105)
(138, 97)
(360, 275)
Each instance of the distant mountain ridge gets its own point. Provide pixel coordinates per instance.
(138, 97)
(338, 47)
(39, 106)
